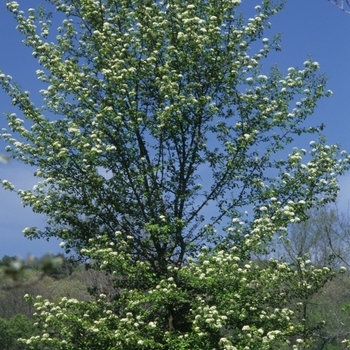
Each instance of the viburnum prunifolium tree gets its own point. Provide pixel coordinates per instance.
(157, 132)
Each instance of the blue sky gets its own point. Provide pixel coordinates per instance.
(309, 27)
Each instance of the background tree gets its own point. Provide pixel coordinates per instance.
(323, 238)
(159, 130)
(18, 326)
(70, 280)
(323, 241)
(330, 306)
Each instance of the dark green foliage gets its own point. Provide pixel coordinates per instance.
(7, 260)
(19, 326)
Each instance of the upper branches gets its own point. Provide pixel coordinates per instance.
(154, 112)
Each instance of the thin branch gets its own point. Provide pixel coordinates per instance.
(340, 5)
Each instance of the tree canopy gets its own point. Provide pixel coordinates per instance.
(156, 111)
(160, 127)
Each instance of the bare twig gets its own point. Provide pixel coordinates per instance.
(340, 4)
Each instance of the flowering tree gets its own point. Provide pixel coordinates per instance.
(157, 133)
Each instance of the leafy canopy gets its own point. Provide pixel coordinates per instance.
(158, 130)
(154, 111)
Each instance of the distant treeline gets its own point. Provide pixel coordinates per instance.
(69, 278)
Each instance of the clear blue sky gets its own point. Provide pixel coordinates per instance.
(309, 27)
